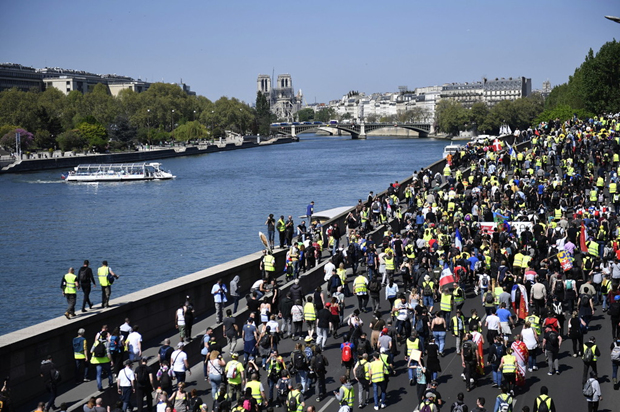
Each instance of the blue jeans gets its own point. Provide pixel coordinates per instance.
(302, 377)
(428, 301)
(531, 360)
(497, 377)
(375, 388)
(216, 381)
(614, 370)
(126, 396)
(440, 337)
(108, 369)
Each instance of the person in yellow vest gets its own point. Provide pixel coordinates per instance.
(310, 316)
(508, 366)
(457, 326)
(346, 393)
(590, 355)
(458, 296)
(256, 389)
(360, 289)
(69, 287)
(101, 358)
(545, 399)
(445, 304)
(295, 399)
(268, 265)
(235, 376)
(281, 229)
(105, 274)
(80, 354)
(376, 376)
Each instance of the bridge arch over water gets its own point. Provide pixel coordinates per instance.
(357, 130)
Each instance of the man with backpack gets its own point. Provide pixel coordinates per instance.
(469, 360)
(346, 355)
(377, 370)
(592, 392)
(319, 365)
(165, 351)
(551, 345)
(503, 402)
(235, 376)
(295, 400)
(363, 385)
(459, 405)
(144, 385)
(345, 395)
(543, 403)
(590, 355)
(100, 356)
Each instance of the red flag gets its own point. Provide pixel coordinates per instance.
(582, 239)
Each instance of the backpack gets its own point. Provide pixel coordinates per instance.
(100, 350)
(614, 310)
(162, 352)
(588, 355)
(558, 287)
(283, 389)
(232, 371)
(309, 354)
(588, 389)
(141, 376)
(569, 284)
(55, 375)
(505, 405)
(542, 405)
(426, 408)
(346, 353)
(292, 403)
(468, 351)
(360, 371)
(585, 300)
(485, 281)
(474, 324)
(374, 285)
(319, 363)
(553, 339)
(264, 341)
(164, 380)
(344, 408)
(427, 291)
(115, 344)
(299, 360)
(489, 298)
(247, 404)
(419, 326)
(78, 344)
(615, 353)
(457, 407)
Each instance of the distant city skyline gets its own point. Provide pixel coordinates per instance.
(329, 48)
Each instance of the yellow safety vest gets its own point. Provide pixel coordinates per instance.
(457, 298)
(376, 371)
(613, 187)
(410, 251)
(600, 182)
(70, 279)
(82, 353)
(269, 262)
(281, 226)
(102, 274)
(593, 349)
(558, 213)
(233, 364)
(455, 324)
(535, 322)
(348, 395)
(297, 395)
(309, 312)
(517, 260)
(593, 248)
(593, 195)
(525, 262)
(510, 364)
(412, 345)
(446, 302)
(359, 285)
(389, 263)
(342, 273)
(364, 216)
(543, 399)
(255, 385)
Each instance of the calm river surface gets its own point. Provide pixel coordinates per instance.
(151, 232)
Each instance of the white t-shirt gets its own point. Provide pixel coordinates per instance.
(125, 377)
(178, 359)
(493, 322)
(328, 270)
(529, 338)
(180, 317)
(257, 284)
(134, 340)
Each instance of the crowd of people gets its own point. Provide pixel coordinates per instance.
(528, 236)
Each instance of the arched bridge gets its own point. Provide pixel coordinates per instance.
(357, 130)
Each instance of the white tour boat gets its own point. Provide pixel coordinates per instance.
(120, 172)
(451, 149)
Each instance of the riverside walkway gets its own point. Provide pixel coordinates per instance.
(564, 388)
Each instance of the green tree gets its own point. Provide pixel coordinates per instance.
(121, 132)
(325, 115)
(190, 131)
(95, 134)
(478, 114)
(71, 140)
(451, 116)
(305, 115)
(263, 114)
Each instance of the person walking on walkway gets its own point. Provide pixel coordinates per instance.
(69, 287)
(595, 395)
(101, 357)
(125, 383)
(85, 278)
(543, 402)
(106, 277)
(376, 376)
(590, 356)
(219, 292)
(80, 354)
(49, 375)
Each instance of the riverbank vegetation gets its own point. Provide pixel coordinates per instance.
(593, 88)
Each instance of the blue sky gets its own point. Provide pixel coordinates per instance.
(329, 47)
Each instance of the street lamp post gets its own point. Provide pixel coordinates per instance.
(172, 122)
(148, 126)
(212, 124)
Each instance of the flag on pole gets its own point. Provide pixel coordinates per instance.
(582, 238)
(446, 278)
(458, 240)
(511, 151)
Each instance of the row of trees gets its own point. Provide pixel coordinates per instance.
(100, 121)
(593, 89)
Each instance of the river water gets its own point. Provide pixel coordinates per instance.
(151, 232)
